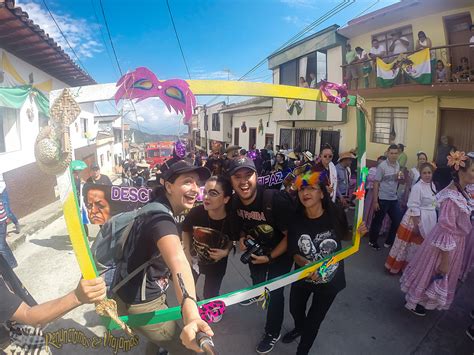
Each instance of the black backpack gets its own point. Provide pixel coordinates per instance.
(111, 250)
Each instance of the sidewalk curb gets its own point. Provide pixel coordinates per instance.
(32, 229)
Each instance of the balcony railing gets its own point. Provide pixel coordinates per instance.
(450, 55)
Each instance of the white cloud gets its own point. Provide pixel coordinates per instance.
(79, 32)
(292, 19)
(201, 74)
(300, 3)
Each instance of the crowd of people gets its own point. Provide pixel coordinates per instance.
(304, 219)
(424, 216)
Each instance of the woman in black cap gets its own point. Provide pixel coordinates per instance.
(154, 237)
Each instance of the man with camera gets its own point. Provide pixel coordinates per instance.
(261, 217)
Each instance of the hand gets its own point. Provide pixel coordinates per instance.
(90, 291)
(362, 229)
(443, 268)
(330, 189)
(343, 202)
(315, 276)
(188, 334)
(263, 259)
(218, 254)
(242, 246)
(376, 206)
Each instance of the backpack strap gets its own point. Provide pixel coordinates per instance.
(135, 272)
(267, 204)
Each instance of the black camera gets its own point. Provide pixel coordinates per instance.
(253, 247)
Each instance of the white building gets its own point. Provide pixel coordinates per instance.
(32, 65)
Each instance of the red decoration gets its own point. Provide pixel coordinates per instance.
(360, 192)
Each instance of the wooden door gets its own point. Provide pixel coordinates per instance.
(457, 31)
(236, 135)
(458, 125)
(332, 138)
(252, 137)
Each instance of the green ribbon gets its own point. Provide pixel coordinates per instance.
(15, 97)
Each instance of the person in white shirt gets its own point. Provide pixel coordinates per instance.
(312, 85)
(377, 50)
(399, 43)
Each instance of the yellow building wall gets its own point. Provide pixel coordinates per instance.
(432, 25)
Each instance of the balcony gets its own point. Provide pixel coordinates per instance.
(454, 82)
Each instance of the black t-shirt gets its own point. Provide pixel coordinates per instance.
(103, 180)
(207, 233)
(315, 239)
(146, 232)
(9, 302)
(252, 219)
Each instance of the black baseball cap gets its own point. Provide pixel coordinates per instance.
(94, 166)
(182, 167)
(241, 163)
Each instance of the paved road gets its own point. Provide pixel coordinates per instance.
(368, 317)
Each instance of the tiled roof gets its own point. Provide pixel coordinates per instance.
(20, 36)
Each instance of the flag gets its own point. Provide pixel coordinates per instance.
(416, 66)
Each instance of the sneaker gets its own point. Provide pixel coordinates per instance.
(374, 245)
(267, 343)
(419, 310)
(290, 336)
(387, 245)
(249, 301)
(17, 228)
(470, 332)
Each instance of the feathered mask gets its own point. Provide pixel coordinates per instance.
(309, 177)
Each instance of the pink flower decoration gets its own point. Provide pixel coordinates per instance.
(456, 159)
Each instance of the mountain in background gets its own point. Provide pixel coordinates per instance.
(143, 137)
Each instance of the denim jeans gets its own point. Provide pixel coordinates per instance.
(4, 248)
(392, 208)
(276, 307)
(6, 205)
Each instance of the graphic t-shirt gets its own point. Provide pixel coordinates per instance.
(252, 219)
(315, 239)
(206, 233)
(145, 234)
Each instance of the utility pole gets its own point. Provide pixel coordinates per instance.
(228, 78)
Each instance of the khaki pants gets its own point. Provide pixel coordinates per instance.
(164, 335)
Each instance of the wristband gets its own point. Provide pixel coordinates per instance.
(185, 293)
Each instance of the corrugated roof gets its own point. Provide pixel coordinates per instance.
(20, 36)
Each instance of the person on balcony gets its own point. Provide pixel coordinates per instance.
(377, 50)
(399, 44)
(462, 71)
(313, 83)
(440, 72)
(366, 67)
(303, 83)
(423, 41)
(351, 70)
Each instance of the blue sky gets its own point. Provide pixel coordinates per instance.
(216, 36)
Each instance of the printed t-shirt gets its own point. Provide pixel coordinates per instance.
(315, 239)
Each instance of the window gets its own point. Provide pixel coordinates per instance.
(386, 38)
(9, 130)
(289, 73)
(206, 122)
(216, 123)
(299, 138)
(252, 137)
(102, 160)
(315, 64)
(390, 125)
(286, 137)
(84, 126)
(236, 135)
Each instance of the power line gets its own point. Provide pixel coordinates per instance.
(64, 36)
(177, 38)
(110, 37)
(332, 12)
(116, 58)
(103, 37)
